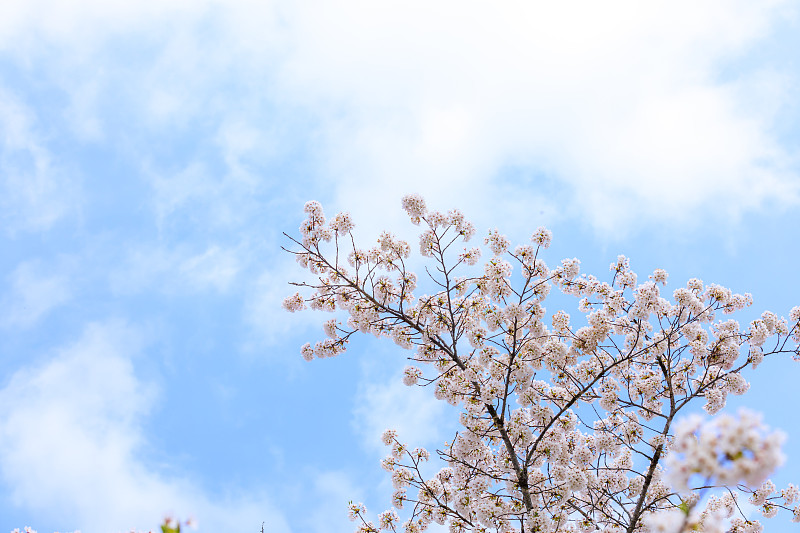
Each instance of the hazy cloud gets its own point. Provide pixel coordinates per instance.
(413, 412)
(178, 269)
(34, 191)
(629, 108)
(34, 293)
(71, 439)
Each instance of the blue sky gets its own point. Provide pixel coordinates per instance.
(152, 154)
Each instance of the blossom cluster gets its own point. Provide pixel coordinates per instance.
(170, 525)
(725, 451)
(569, 423)
(28, 529)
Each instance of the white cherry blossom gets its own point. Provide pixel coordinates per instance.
(570, 422)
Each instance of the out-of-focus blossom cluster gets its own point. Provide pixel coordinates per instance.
(571, 422)
(28, 529)
(170, 525)
(725, 451)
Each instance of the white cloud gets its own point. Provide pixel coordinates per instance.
(34, 191)
(412, 411)
(174, 191)
(418, 417)
(208, 199)
(33, 295)
(216, 267)
(622, 103)
(263, 306)
(636, 111)
(332, 491)
(81, 25)
(226, 199)
(71, 438)
(178, 269)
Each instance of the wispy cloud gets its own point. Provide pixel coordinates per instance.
(412, 411)
(622, 104)
(72, 439)
(417, 416)
(263, 305)
(630, 108)
(331, 492)
(178, 269)
(34, 191)
(203, 197)
(34, 292)
(215, 268)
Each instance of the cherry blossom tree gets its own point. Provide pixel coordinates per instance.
(566, 425)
